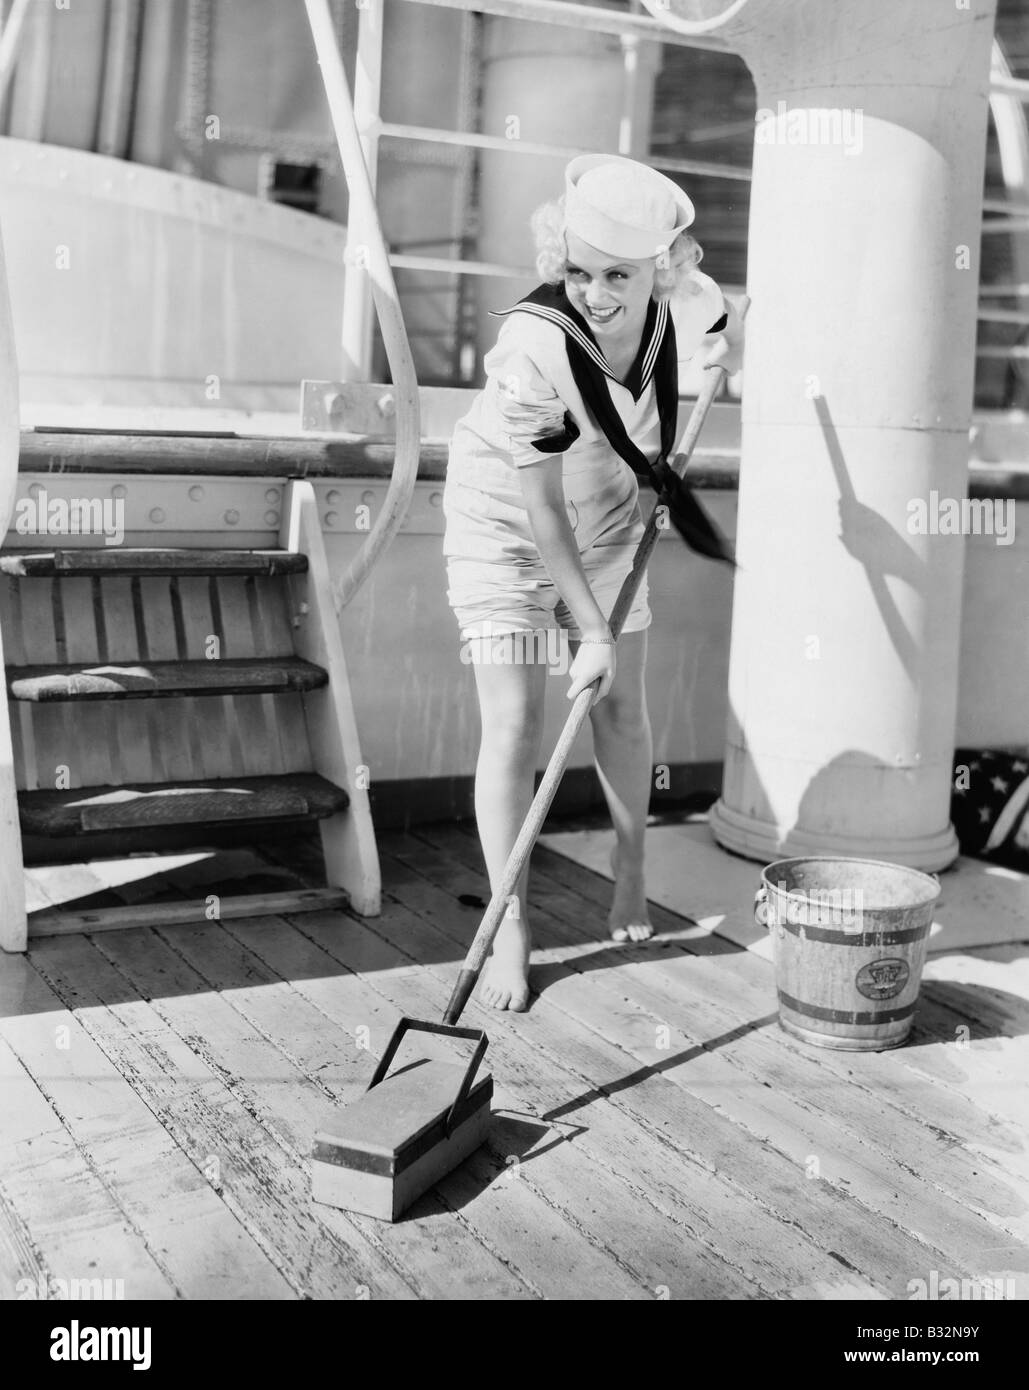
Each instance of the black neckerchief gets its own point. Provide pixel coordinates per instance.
(656, 360)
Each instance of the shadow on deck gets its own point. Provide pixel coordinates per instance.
(656, 1135)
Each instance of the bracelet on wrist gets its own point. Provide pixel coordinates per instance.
(599, 641)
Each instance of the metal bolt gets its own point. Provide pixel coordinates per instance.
(435, 499)
(196, 492)
(232, 516)
(157, 515)
(271, 518)
(119, 490)
(330, 518)
(332, 497)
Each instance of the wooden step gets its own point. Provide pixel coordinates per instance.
(142, 680)
(294, 796)
(63, 922)
(116, 560)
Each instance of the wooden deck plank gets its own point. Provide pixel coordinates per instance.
(77, 1230)
(695, 1201)
(569, 1182)
(706, 1204)
(930, 1177)
(202, 1249)
(862, 1220)
(750, 1080)
(325, 1049)
(250, 1031)
(902, 1074)
(260, 1183)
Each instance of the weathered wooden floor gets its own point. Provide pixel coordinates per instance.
(657, 1136)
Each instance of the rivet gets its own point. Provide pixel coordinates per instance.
(271, 518)
(272, 494)
(331, 518)
(35, 489)
(332, 497)
(435, 499)
(232, 516)
(157, 515)
(119, 490)
(196, 493)
(367, 498)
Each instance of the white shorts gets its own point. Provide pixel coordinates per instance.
(497, 581)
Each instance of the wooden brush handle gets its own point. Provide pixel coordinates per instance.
(533, 823)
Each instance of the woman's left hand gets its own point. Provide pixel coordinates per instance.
(593, 659)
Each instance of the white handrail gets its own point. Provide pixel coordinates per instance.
(10, 42)
(375, 258)
(693, 28)
(590, 18)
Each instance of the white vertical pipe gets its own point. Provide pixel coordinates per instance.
(630, 87)
(357, 294)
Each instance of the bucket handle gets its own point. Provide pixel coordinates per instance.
(761, 907)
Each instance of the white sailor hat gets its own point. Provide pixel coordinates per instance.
(622, 207)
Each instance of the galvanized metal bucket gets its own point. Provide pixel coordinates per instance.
(849, 940)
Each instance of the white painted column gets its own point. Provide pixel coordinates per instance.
(863, 276)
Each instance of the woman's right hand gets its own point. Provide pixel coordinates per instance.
(593, 659)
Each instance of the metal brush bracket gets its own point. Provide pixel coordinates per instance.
(416, 1025)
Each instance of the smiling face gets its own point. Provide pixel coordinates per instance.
(611, 295)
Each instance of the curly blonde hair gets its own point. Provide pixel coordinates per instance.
(673, 278)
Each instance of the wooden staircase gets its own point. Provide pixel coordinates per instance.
(164, 698)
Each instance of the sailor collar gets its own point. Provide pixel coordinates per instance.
(656, 359)
(550, 302)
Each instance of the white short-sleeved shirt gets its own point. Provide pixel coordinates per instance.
(497, 580)
(529, 387)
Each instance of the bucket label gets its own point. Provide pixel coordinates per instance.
(882, 979)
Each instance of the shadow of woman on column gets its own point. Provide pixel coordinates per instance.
(876, 545)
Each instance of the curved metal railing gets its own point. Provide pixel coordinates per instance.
(374, 257)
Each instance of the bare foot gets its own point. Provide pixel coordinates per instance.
(505, 983)
(628, 919)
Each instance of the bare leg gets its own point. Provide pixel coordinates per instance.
(511, 708)
(623, 750)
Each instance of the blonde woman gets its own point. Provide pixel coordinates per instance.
(543, 514)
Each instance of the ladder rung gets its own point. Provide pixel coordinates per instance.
(115, 560)
(141, 680)
(297, 795)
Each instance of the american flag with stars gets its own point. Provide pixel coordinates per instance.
(990, 805)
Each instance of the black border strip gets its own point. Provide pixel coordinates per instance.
(842, 1015)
